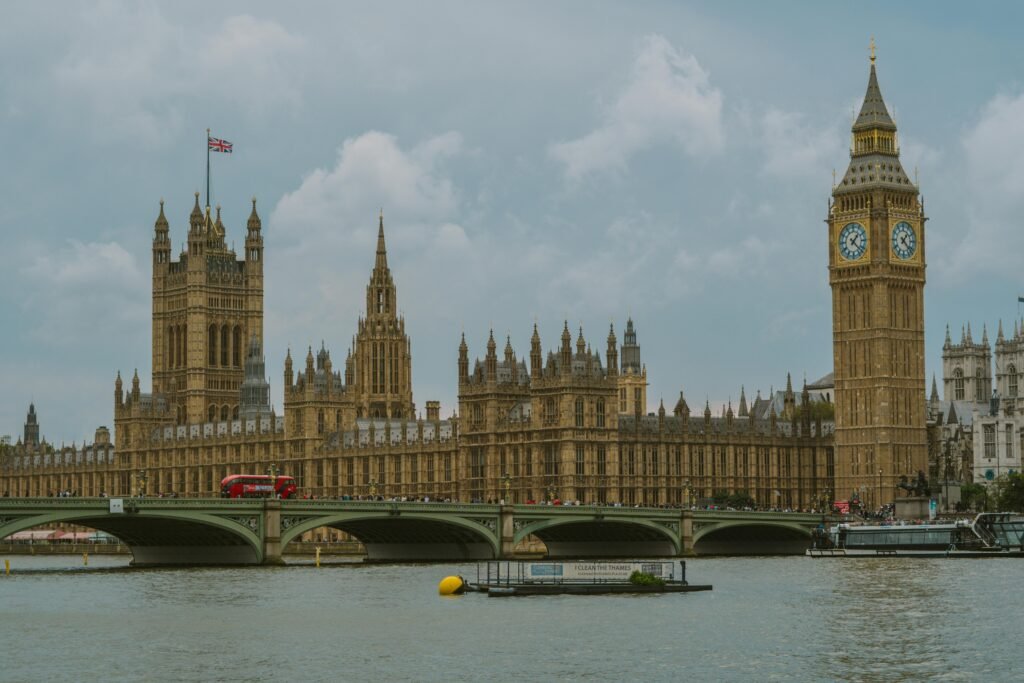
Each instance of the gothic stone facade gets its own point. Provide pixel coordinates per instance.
(566, 426)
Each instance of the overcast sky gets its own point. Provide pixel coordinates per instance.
(575, 161)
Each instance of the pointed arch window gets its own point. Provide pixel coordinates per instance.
(224, 345)
(213, 345)
(236, 347)
(958, 384)
(1012, 386)
(979, 387)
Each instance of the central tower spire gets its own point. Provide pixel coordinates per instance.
(382, 251)
(382, 358)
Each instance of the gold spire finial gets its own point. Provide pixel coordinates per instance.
(872, 50)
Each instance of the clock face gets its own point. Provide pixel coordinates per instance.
(853, 241)
(904, 240)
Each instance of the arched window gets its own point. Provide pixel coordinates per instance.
(224, 341)
(1012, 388)
(958, 384)
(236, 347)
(177, 346)
(979, 387)
(579, 412)
(213, 345)
(213, 413)
(234, 413)
(182, 344)
(224, 411)
(169, 349)
(320, 421)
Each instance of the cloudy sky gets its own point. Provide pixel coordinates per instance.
(577, 161)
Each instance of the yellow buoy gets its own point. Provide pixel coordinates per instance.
(451, 585)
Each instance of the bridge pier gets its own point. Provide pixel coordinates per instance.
(506, 532)
(272, 532)
(686, 532)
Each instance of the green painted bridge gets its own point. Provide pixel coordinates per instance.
(167, 531)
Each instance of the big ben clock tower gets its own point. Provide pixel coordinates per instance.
(876, 227)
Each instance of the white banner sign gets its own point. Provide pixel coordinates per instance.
(595, 571)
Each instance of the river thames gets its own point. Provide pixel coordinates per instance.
(784, 618)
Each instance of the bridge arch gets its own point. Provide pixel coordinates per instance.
(160, 537)
(394, 534)
(604, 536)
(750, 537)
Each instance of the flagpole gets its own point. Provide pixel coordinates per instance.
(207, 168)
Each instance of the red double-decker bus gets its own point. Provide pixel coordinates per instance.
(257, 486)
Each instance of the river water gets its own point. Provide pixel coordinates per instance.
(785, 618)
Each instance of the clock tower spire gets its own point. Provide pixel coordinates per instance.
(876, 227)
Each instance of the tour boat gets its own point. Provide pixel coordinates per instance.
(998, 534)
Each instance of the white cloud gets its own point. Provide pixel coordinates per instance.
(84, 287)
(795, 148)
(994, 155)
(372, 172)
(668, 99)
(93, 264)
(139, 75)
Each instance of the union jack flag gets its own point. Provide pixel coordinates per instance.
(218, 145)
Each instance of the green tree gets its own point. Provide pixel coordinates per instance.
(740, 499)
(1011, 493)
(822, 410)
(973, 497)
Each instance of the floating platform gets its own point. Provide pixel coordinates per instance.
(585, 589)
(507, 578)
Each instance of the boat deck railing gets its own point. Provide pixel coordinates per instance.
(519, 572)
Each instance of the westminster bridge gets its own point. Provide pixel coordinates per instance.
(169, 531)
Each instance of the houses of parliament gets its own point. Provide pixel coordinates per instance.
(568, 421)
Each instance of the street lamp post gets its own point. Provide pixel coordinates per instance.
(686, 493)
(506, 482)
(945, 476)
(879, 501)
(373, 488)
(272, 473)
(552, 490)
(142, 476)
